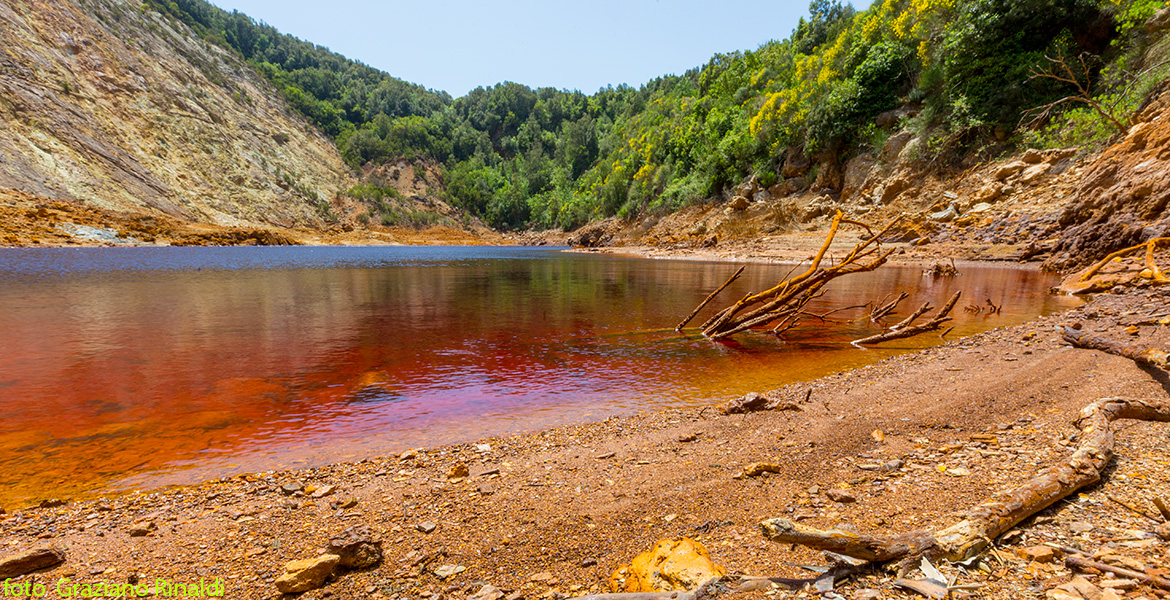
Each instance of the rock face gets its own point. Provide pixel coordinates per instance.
(128, 111)
(304, 575)
(673, 565)
(1123, 196)
(32, 559)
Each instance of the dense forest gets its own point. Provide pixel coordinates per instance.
(971, 74)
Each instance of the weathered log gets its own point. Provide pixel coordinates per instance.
(1003, 511)
(709, 298)
(1163, 508)
(1143, 355)
(905, 330)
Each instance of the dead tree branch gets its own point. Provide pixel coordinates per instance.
(884, 309)
(790, 295)
(906, 330)
(709, 298)
(1149, 246)
(1060, 70)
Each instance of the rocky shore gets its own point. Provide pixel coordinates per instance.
(902, 444)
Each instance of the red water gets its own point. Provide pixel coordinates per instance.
(134, 368)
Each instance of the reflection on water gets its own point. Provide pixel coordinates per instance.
(135, 367)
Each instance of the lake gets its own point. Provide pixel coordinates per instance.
(131, 368)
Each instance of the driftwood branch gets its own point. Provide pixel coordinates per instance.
(906, 330)
(709, 298)
(1149, 246)
(885, 309)
(790, 295)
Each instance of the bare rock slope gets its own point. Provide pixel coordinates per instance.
(110, 105)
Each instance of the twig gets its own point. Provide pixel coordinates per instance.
(1162, 508)
(1135, 509)
(1081, 563)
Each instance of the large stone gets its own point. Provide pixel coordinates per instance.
(309, 574)
(1034, 172)
(1159, 22)
(673, 565)
(895, 145)
(29, 560)
(1005, 171)
(891, 189)
(356, 547)
(857, 171)
(1032, 157)
(989, 193)
(739, 203)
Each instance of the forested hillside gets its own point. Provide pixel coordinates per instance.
(970, 79)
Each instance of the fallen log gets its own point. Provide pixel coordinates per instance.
(994, 517)
(1142, 355)
(906, 330)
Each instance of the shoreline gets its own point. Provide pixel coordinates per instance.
(555, 512)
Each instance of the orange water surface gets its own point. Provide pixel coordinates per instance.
(131, 368)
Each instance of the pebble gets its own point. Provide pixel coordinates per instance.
(487, 592)
(449, 571)
(291, 488)
(458, 471)
(1040, 554)
(323, 491)
(426, 527)
(142, 528)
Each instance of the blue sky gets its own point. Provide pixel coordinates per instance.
(458, 45)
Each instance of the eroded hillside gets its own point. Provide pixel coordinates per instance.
(108, 105)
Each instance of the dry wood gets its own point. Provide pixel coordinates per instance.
(789, 296)
(906, 330)
(1162, 508)
(1135, 509)
(1003, 511)
(1148, 246)
(884, 309)
(709, 298)
(1081, 563)
(1143, 355)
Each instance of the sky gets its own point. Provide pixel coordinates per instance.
(458, 45)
